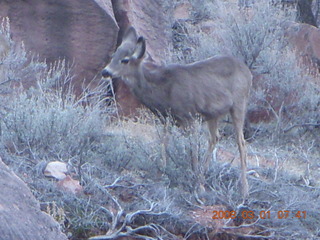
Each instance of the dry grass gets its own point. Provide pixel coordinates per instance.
(127, 192)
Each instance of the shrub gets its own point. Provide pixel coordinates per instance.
(48, 127)
(126, 190)
(282, 87)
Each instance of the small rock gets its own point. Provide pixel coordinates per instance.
(70, 185)
(56, 170)
(182, 11)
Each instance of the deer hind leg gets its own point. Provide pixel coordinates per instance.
(238, 117)
(164, 144)
(214, 136)
(190, 130)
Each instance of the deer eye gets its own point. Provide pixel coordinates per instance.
(125, 61)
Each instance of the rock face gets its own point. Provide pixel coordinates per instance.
(83, 32)
(20, 215)
(148, 18)
(86, 33)
(305, 38)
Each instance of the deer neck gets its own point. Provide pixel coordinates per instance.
(149, 87)
(143, 79)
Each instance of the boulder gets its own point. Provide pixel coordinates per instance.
(149, 19)
(84, 32)
(20, 215)
(305, 39)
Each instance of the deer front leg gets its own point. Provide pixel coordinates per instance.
(238, 116)
(214, 136)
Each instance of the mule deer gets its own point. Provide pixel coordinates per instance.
(210, 88)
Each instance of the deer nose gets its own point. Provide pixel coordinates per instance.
(105, 73)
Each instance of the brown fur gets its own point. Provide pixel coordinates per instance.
(210, 88)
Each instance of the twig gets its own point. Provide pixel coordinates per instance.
(301, 125)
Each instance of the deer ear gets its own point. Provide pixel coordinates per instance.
(130, 35)
(140, 48)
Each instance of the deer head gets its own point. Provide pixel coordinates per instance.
(127, 59)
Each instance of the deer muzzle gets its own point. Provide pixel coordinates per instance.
(105, 73)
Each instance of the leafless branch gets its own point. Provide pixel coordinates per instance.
(301, 125)
(121, 222)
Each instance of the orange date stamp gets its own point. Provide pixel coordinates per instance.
(283, 214)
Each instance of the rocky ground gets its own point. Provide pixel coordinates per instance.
(111, 180)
